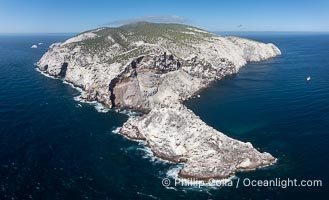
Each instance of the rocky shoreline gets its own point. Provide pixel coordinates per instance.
(130, 67)
(205, 152)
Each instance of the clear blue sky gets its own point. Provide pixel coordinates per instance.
(53, 16)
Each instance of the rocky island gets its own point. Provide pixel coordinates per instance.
(153, 68)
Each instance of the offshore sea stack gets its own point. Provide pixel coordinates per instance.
(153, 68)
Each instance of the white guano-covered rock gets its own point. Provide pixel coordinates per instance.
(175, 133)
(153, 68)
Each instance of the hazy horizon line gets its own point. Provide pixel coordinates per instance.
(216, 31)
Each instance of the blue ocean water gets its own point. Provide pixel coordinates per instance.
(53, 147)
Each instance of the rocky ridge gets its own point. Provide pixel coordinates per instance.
(153, 68)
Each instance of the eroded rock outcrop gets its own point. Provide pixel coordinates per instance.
(175, 133)
(153, 68)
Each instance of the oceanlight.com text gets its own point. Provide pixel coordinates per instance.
(242, 182)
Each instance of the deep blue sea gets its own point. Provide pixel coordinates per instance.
(53, 147)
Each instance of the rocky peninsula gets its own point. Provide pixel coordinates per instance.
(153, 68)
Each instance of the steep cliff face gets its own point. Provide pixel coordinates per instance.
(151, 67)
(146, 58)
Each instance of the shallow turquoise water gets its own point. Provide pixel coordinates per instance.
(53, 148)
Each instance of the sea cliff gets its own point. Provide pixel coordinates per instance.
(153, 68)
